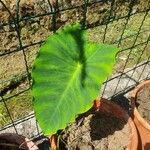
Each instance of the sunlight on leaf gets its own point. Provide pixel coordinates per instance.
(67, 77)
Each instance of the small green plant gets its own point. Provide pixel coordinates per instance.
(67, 77)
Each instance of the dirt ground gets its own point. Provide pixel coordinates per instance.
(143, 98)
(36, 29)
(96, 131)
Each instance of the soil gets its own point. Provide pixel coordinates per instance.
(4, 145)
(143, 99)
(96, 131)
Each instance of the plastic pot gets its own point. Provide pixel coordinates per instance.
(110, 107)
(141, 124)
(12, 141)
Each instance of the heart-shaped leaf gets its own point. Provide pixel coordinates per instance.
(67, 77)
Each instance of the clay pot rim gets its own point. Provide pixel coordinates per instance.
(133, 132)
(19, 140)
(137, 89)
(133, 97)
(133, 144)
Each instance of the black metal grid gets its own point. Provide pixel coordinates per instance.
(54, 10)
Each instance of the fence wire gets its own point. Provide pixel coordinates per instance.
(92, 14)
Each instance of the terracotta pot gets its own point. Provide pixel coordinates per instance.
(141, 124)
(15, 140)
(110, 107)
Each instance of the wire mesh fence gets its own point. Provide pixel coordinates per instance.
(24, 25)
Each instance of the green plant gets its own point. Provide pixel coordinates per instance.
(67, 76)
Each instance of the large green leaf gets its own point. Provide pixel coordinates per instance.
(67, 77)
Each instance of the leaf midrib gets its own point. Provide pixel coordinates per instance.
(78, 68)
